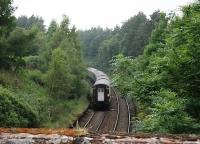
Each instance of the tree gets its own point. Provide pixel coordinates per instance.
(129, 39)
(59, 75)
(108, 49)
(184, 42)
(92, 40)
(16, 46)
(6, 25)
(165, 79)
(52, 28)
(135, 35)
(158, 35)
(6, 17)
(28, 23)
(66, 70)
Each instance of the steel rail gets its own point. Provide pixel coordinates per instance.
(100, 123)
(86, 124)
(118, 107)
(129, 115)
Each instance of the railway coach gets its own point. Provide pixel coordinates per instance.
(100, 90)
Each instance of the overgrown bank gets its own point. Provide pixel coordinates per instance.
(42, 74)
(164, 80)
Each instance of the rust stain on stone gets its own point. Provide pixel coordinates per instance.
(47, 131)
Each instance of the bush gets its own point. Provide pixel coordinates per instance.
(167, 115)
(36, 76)
(64, 113)
(15, 113)
(35, 62)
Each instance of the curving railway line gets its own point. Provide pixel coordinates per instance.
(123, 115)
(114, 120)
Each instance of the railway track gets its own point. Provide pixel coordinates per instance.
(122, 124)
(96, 121)
(111, 116)
(114, 120)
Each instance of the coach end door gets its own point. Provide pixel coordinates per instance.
(100, 95)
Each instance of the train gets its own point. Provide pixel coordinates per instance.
(101, 90)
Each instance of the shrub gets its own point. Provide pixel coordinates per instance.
(15, 113)
(36, 76)
(167, 115)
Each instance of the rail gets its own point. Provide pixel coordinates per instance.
(118, 107)
(129, 115)
(89, 120)
(100, 124)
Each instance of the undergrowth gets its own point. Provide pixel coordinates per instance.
(30, 105)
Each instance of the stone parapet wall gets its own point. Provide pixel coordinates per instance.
(26, 138)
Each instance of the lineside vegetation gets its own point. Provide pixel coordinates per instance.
(42, 74)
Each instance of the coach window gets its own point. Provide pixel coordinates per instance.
(100, 90)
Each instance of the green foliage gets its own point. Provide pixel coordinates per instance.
(130, 39)
(6, 26)
(15, 113)
(108, 49)
(135, 35)
(167, 115)
(28, 23)
(17, 45)
(33, 62)
(59, 75)
(92, 40)
(51, 29)
(165, 79)
(44, 71)
(36, 76)
(6, 17)
(65, 77)
(185, 44)
(157, 39)
(18, 42)
(64, 113)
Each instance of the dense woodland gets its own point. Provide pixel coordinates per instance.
(154, 61)
(100, 45)
(42, 74)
